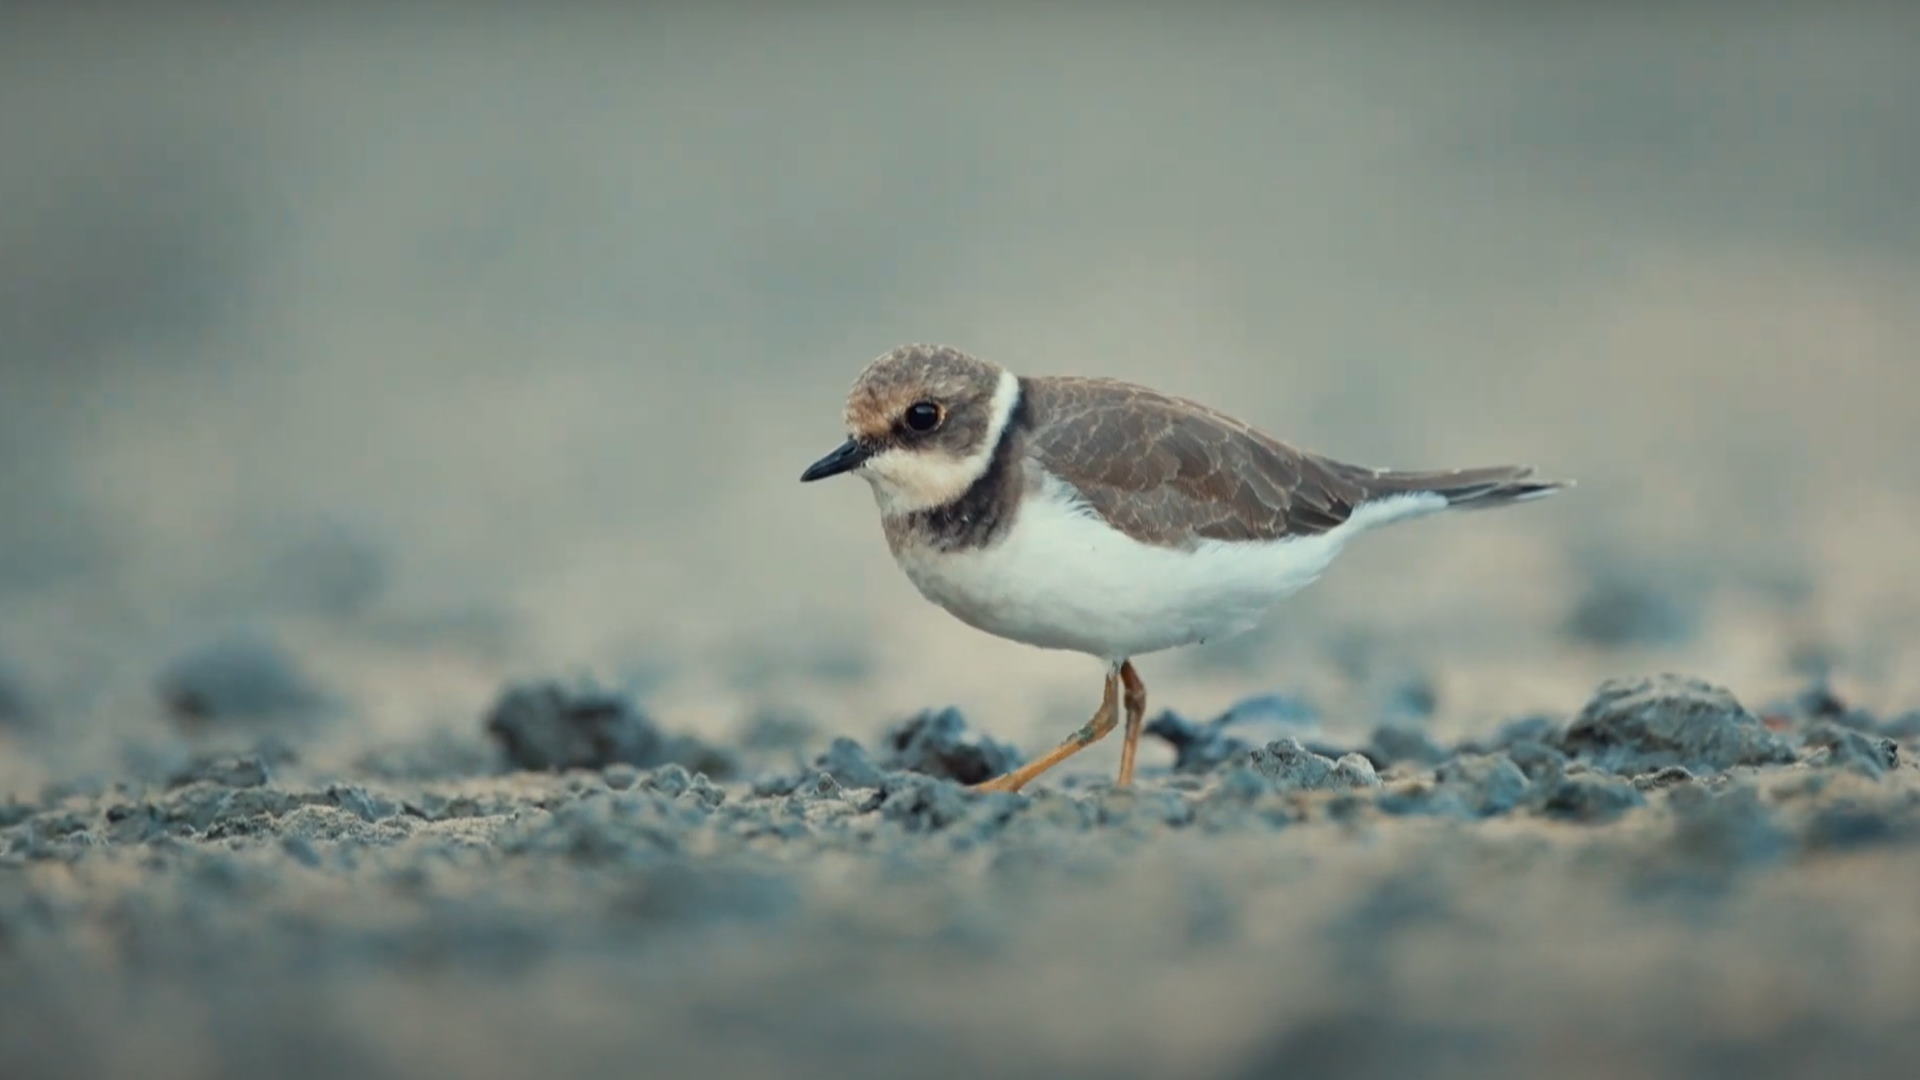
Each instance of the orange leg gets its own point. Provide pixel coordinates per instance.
(1136, 705)
(1091, 732)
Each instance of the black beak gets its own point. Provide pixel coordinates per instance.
(848, 455)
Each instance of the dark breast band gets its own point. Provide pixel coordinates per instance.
(984, 512)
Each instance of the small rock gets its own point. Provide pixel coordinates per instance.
(702, 792)
(202, 807)
(922, 803)
(819, 785)
(1847, 748)
(1353, 771)
(1289, 766)
(1593, 798)
(1538, 760)
(364, 804)
(133, 823)
(1334, 751)
(1668, 777)
(1465, 786)
(1488, 784)
(546, 726)
(1633, 726)
(937, 743)
(847, 762)
(240, 680)
(669, 780)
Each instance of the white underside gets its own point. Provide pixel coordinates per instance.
(1061, 578)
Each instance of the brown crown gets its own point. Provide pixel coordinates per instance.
(957, 382)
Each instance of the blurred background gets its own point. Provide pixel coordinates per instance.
(436, 347)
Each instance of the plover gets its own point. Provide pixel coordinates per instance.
(1103, 517)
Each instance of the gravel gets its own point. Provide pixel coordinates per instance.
(866, 912)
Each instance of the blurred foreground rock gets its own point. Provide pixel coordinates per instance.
(547, 726)
(243, 680)
(1635, 726)
(937, 742)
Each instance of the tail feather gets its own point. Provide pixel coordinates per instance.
(1467, 489)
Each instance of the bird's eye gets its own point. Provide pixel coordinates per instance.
(923, 416)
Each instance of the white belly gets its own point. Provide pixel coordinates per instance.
(1061, 578)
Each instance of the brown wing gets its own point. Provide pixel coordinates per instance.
(1168, 471)
(1172, 472)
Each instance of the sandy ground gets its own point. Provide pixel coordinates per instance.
(360, 367)
(1668, 885)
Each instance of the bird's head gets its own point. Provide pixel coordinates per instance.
(923, 422)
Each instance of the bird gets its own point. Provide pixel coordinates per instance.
(1107, 518)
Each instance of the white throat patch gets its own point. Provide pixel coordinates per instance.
(906, 481)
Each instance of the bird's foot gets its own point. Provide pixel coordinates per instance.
(1091, 732)
(1003, 782)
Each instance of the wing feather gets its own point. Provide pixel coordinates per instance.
(1173, 472)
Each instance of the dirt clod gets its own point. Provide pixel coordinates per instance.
(1633, 726)
(550, 727)
(937, 742)
(242, 680)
